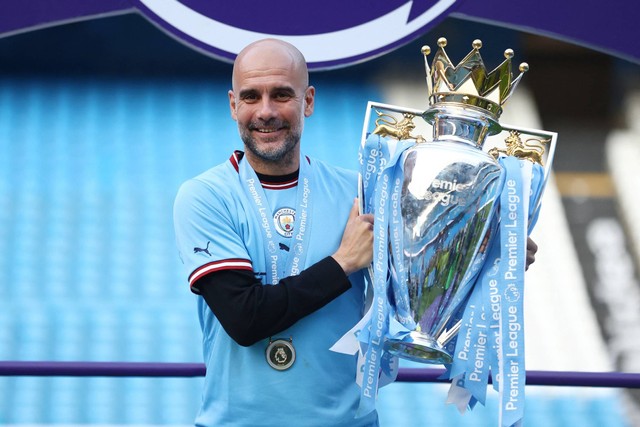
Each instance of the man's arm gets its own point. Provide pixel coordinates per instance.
(250, 311)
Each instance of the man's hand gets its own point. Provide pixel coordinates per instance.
(356, 249)
(532, 248)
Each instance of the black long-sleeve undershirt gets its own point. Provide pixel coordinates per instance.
(250, 311)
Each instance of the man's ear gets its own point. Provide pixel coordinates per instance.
(232, 105)
(309, 99)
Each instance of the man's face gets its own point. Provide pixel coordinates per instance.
(269, 100)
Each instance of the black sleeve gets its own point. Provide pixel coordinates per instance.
(250, 311)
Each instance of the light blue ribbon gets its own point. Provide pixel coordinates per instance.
(513, 235)
(491, 337)
(379, 158)
(277, 266)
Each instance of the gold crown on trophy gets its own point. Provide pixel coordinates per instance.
(469, 83)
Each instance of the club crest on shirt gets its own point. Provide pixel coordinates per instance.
(283, 220)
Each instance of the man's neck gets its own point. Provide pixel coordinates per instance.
(276, 168)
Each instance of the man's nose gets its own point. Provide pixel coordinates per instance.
(266, 109)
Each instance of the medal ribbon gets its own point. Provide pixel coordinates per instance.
(277, 266)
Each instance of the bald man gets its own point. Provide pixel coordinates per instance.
(272, 242)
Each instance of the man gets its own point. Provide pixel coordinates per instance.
(277, 294)
(273, 243)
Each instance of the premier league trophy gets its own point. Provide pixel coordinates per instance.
(454, 194)
(439, 197)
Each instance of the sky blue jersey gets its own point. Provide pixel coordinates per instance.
(217, 228)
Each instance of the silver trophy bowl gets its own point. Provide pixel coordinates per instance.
(447, 201)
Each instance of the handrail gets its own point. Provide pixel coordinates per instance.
(161, 369)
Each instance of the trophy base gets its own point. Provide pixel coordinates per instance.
(421, 348)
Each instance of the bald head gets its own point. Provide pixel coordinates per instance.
(269, 56)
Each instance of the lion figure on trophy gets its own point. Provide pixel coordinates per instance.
(387, 125)
(532, 149)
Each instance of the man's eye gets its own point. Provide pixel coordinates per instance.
(283, 96)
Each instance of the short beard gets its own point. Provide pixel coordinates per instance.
(282, 154)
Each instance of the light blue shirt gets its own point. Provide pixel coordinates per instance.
(241, 389)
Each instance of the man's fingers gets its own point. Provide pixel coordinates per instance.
(367, 218)
(355, 209)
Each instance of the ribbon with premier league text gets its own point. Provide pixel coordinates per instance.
(491, 336)
(380, 187)
(513, 234)
(278, 266)
(373, 157)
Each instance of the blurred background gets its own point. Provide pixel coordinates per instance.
(102, 120)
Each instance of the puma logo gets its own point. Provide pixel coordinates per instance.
(283, 247)
(205, 250)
